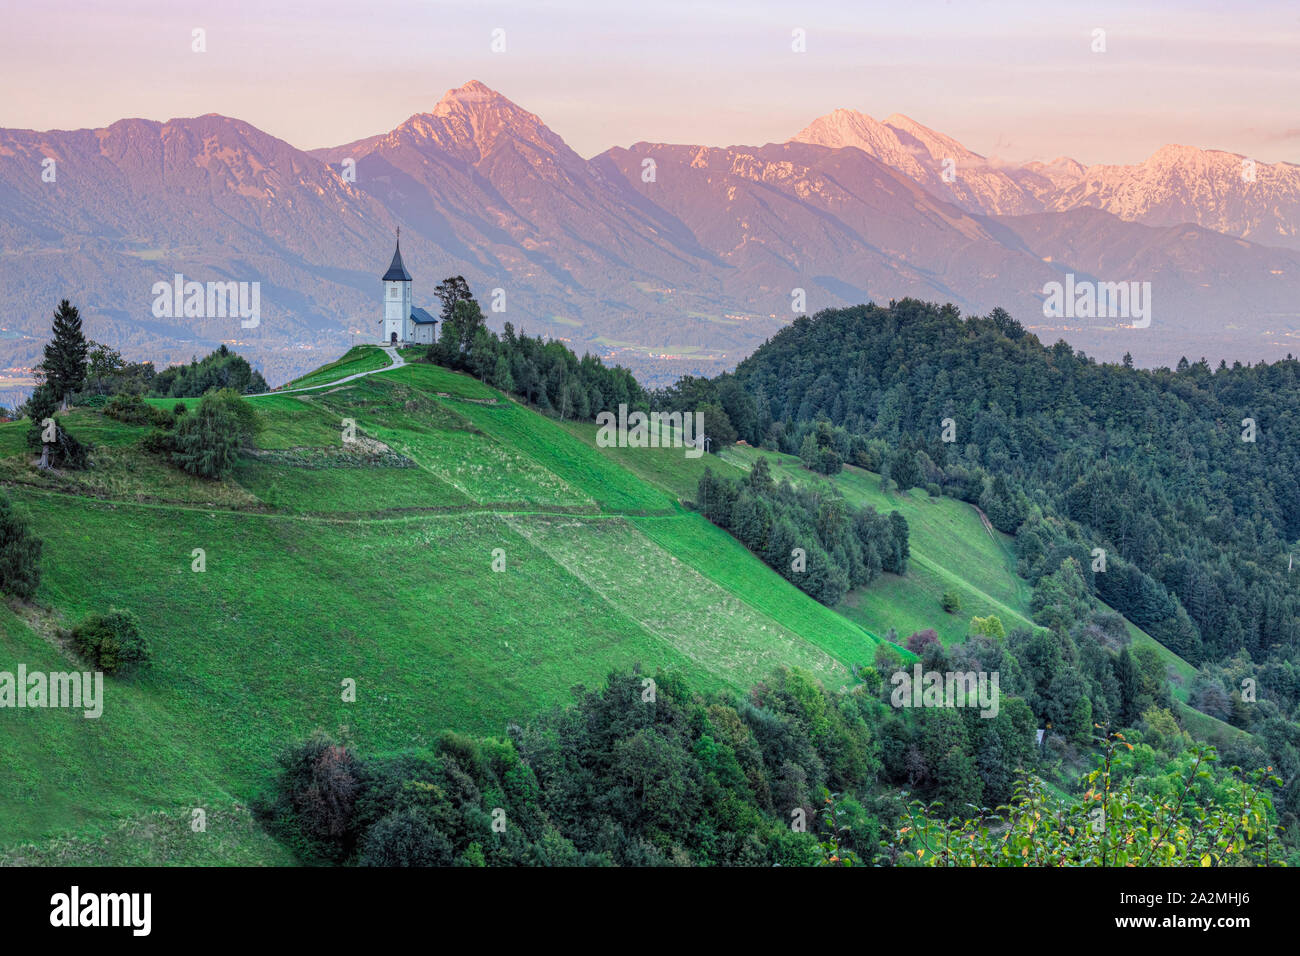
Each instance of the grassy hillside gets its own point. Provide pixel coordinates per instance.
(327, 562)
(359, 358)
(952, 548)
(372, 562)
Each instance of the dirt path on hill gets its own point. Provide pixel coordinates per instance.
(391, 352)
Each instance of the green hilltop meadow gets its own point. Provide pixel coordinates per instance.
(466, 561)
(324, 566)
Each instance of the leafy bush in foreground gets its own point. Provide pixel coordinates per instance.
(20, 554)
(112, 642)
(645, 773)
(206, 442)
(1112, 823)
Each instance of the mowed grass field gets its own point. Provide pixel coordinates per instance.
(329, 563)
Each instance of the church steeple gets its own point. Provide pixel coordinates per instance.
(398, 325)
(396, 271)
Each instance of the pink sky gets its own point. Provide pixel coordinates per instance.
(1016, 80)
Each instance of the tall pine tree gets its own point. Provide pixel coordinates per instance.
(65, 354)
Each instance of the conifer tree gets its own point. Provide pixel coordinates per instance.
(64, 364)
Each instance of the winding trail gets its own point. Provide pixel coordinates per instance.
(397, 362)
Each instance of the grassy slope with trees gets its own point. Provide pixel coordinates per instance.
(1168, 494)
(372, 561)
(324, 564)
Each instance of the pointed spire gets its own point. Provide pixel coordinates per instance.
(396, 271)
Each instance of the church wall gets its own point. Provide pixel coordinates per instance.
(397, 309)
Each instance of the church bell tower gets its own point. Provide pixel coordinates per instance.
(397, 299)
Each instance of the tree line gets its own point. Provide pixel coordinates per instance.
(545, 374)
(204, 442)
(808, 535)
(1148, 465)
(645, 771)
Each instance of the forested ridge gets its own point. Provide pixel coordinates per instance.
(1069, 455)
(1169, 494)
(1073, 458)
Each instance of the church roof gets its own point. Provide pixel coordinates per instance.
(420, 317)
(396, 271)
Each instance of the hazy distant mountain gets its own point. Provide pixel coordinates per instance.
(211, 198)
(1212, 295)
(1226, 192)
(836, 223)
(1059, 173)
(667, 258)
(939, 163)
(1211, 188)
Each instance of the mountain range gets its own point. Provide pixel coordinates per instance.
(669, 259)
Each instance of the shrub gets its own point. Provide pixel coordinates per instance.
(250, 423)
(934, 657)
(134, 410)
(405, 838)
(921, 639)
(990, 626)
(315, 806)
(179, 409)
(67, 452)
(206, 442)
(158, 442)
(886, 658)
(112, 642)
(871, 679)
(127, 408)
(64, 451)
(20, 554)
(951, 602)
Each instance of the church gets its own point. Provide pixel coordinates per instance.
(404, 324)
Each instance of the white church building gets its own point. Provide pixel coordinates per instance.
(404, 324)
